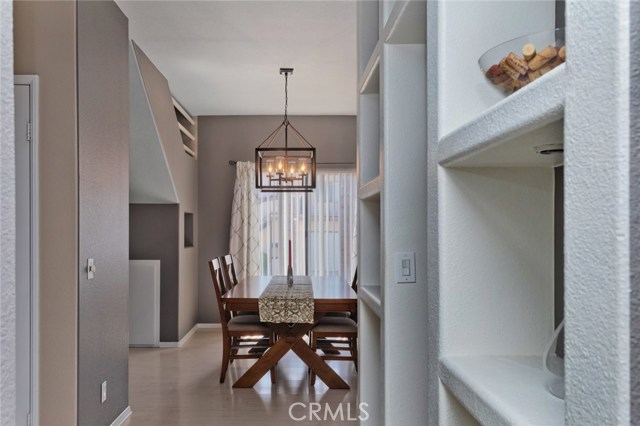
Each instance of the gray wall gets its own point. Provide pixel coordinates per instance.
(103, 167)
(184, 172)
(635, 212)
(224, 138)
(45, 44)
(154, 235)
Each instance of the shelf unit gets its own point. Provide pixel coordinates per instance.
(188, 127)
(491, 219)
(391, 156)
(503, 390)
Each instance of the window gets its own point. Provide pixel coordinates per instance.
(321, 226)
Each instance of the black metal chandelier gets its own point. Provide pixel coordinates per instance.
(284, 168)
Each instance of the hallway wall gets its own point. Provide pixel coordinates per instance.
(45, 44)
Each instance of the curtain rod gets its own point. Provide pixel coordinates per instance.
(234, 162)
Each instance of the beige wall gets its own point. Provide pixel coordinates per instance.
(184, 170)
(45, 44)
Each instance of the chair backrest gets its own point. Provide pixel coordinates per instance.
(220, 290)
(354, 283)
(229, 271)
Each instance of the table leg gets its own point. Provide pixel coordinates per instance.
(265, 363)
(319, 366)
(291, 338)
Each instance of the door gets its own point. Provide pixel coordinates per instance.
(26, 290)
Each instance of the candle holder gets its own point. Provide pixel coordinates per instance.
(290, 276)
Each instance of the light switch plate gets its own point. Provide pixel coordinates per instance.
(103, 392)
(91, 268)
(406, 267)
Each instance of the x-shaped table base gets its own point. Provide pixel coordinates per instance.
(291, 338)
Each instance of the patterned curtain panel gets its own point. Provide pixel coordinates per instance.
(244, 240)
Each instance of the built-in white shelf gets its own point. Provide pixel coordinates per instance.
(371, 295)
(370, 191)
(182, 111)
(185, 132)
(406, 24)
(507, 134)
(370, 81)
(189, 151)
(503, 390)
(187, 126)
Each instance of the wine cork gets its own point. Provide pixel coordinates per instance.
(517, 63)
(562, 53)
(542, 57)
(508, 70)
(533, 75)
(528, 51)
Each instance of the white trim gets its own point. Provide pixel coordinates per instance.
(207, 325)
(122, 417)
(33, 82)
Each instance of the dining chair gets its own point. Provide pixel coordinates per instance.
(229, 271)
(333, 336)
(354, 282)
(231, 280)
(240, 332)
(336, 333)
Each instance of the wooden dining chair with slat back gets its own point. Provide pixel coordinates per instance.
(238, 333)
(229, 271)
(334, 335)
(231, 280)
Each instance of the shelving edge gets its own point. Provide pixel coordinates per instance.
(500, 135)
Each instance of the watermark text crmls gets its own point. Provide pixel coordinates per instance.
(300, 411)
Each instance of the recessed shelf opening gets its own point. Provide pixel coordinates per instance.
(369, 127)
(369, 259)
(188, 230)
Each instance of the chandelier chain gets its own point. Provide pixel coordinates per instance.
(286, 94)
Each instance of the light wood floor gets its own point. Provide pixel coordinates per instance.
(180, 387)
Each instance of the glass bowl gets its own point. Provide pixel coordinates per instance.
(553, 360)
(513, 64)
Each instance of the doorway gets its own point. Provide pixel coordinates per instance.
(26, 154)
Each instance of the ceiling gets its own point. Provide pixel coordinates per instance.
(223, 57)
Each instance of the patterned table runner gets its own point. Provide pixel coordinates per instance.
(281, 303)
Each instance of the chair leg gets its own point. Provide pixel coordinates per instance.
(226, 349)
(353, 343)
(314, 348)
(273, 372)
(234, 341)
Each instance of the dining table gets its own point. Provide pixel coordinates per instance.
(330, 294)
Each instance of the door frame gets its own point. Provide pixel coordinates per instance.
(34, 217)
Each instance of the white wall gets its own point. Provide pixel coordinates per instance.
(7, 220)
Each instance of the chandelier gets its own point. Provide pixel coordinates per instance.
(288, 167)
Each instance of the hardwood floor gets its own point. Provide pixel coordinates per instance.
(179, 387)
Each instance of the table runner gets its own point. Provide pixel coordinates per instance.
(281, 303)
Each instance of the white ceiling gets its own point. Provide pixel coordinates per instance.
(223, 57)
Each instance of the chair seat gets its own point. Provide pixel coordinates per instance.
(335, 325)
(248, 323)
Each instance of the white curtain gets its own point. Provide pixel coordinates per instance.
(282, 220)
(332, 224)
(321, 226)
(244, 241)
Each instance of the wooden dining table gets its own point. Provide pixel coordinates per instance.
(331, 294)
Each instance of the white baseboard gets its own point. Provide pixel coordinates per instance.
(209, 325)
(122, 417)
(189, 335)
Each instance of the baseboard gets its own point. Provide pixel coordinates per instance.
(122, 417)
(209, 325)
(188, 335)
